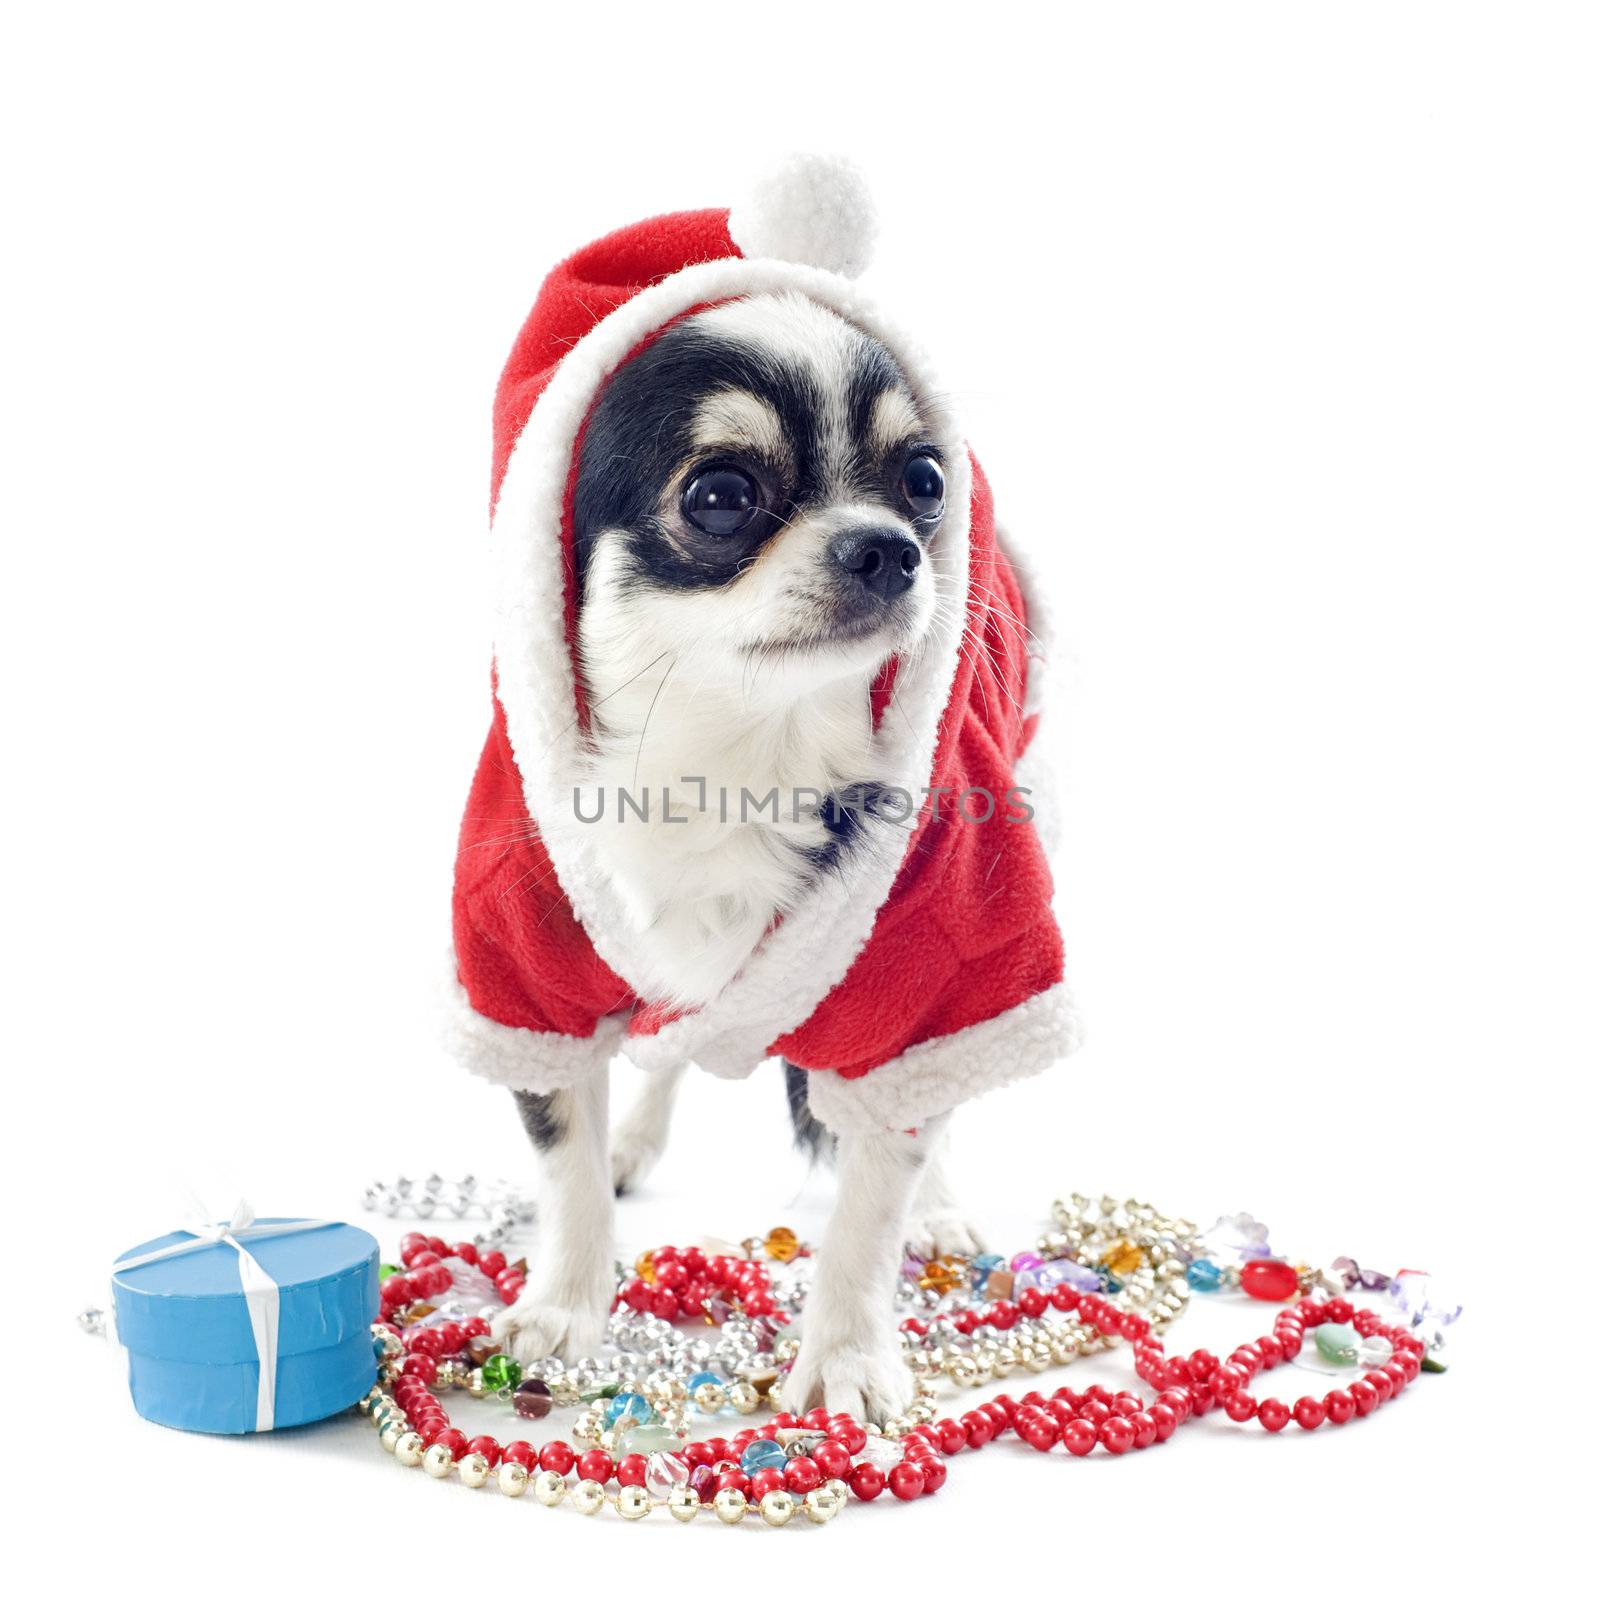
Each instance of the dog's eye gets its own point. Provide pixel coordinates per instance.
(922, 484)
(722, 501)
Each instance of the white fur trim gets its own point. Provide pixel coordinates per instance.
(932, 1078)
(814, 210)
(519, 1058)
(795, 967)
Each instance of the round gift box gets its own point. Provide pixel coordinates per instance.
(191, 1347)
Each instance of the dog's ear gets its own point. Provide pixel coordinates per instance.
(815, 210)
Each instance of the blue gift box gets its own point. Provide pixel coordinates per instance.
(195, 1337)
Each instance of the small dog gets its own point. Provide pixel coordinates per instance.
(758, 573)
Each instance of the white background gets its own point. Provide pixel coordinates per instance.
(1276, 329)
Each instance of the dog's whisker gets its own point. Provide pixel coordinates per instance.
(601, 701)
(654, 701)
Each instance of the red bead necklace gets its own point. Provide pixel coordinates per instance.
(1227, 1382)
(426, 1275)
(683, 1281)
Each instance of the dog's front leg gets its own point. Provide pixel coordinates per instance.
(562, 1311)
(849, 1354)
(939, 1223)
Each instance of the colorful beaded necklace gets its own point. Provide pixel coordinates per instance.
(1110, 1272)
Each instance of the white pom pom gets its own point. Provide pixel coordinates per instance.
(814, 210)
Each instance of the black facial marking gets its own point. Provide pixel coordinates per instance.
(874, 374)
(639, 443)
(640, 438)
(544, 1117)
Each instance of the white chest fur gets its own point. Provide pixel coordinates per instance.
(728, 775)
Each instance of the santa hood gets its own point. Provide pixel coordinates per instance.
(927, 968)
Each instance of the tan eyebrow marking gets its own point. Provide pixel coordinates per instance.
(894, 418)
(735, 419)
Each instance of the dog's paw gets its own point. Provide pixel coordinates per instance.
(538, 1326)
(942, 1232)
(871, 1382)
(634, 1151)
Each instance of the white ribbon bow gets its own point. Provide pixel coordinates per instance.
(260, 1287)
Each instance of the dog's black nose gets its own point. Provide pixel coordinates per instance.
(884, 559)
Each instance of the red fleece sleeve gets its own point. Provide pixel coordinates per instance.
(520, 954)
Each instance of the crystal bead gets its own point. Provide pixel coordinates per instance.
(781, 1244)
(1123, 1257)
(939, 1276)
(632, 1406)
(1240, 1233)
(983, 1265)
(1336, 1342)
(761, 1453)
(500, 1372)
(651, 1436)
(1374, 1351)
(998, 1284)
(664, 1472)
(1084, 1279)
(1268, 1279)
(532, 1399)
(1206, 1276)
(1353, 1275)
(1415, 1295)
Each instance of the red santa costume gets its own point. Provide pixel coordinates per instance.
(925, 970)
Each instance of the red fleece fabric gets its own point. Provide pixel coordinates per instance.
(966, 933)
(583, 289)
